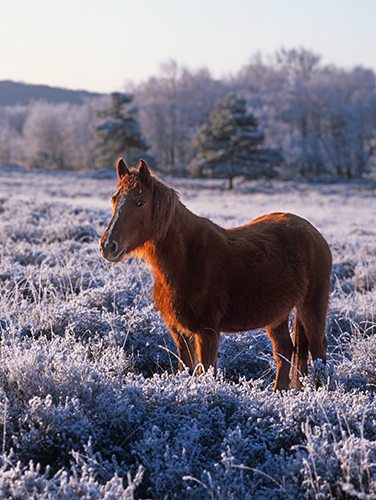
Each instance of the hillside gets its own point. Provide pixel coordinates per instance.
(12, 93)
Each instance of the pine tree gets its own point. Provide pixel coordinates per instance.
(229, 145)
(118, 133)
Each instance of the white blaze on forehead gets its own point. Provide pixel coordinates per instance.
(114, 220)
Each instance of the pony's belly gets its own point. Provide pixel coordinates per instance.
(242, 320)
(241, 327)
(254, 319)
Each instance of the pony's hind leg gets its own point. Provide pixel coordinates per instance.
(186, 349)
(282, 351)
(207, 346)
(313, 317)
(300, 357)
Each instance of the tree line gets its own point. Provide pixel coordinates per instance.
(287, 114)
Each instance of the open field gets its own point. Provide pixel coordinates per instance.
(88, 383)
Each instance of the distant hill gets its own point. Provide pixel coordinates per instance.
(12, 93)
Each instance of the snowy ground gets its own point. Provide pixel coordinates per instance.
(90, 402)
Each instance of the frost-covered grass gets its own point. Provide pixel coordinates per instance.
(90, 401)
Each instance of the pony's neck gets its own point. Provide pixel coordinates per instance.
(168, 256)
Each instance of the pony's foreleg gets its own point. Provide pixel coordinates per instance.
(207, 346)
(282, 351)
(186, 349)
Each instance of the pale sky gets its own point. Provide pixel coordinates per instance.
(100, 44)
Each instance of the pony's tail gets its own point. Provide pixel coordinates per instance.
(300, 356)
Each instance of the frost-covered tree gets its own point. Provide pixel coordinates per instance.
(118, 132)
(7, 142)
(322, 118)
(297, 64)
(59, 136)
(230, 144)
(265, 87)
(12, 119)
(331, 120)
(80, 133)
(44, 140)
(173, 105)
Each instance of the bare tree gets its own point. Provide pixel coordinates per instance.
(172, 107)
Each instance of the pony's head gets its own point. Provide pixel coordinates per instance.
(142, 209)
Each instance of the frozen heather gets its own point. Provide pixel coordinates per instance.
(91, 405)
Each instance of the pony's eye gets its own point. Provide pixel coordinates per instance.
(140, 203)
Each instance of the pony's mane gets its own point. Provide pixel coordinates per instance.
(165, 200)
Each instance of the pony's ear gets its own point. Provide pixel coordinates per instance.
(121, 168)
(144, 171)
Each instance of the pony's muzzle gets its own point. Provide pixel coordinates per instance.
(112, 247)
(109, 249)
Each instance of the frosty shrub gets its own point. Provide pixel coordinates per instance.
(91, 405)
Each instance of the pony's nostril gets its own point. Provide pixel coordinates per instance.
(113, 247)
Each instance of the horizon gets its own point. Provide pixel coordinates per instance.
(83, 46)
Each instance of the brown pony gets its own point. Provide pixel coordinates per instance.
(210, 280)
